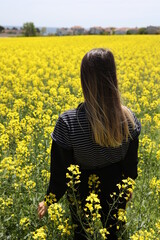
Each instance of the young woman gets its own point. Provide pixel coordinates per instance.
(100, 135)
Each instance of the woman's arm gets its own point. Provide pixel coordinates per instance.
(130, 162)
(61, 158)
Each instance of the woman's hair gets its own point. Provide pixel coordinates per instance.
(108, 118)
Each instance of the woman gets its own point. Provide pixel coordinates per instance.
(100, 135)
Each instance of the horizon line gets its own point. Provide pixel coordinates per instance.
(8, 25)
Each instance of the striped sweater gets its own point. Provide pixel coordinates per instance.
(73, 131)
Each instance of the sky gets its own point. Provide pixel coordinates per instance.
(85, 13)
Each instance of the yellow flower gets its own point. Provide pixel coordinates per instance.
(74, 175)
(93, 182)
(143, 235)
(155, 185)
(24, 222)
(122, 215)
(40, 79)
(92, 207)
(50, 199)
(40, 233)
(104, 233)
(30, 184)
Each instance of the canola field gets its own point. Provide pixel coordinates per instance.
(40, 79)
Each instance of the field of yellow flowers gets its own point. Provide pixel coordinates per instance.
(39, 79)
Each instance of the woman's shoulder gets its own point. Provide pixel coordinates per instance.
(137, 125)
(71, 114)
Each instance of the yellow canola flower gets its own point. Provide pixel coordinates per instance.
(122, 215)
(30, 184)
(73, 175)
(6, 203)
(50, 199)
(143, 235)
(104, 233)
(155, 185)
(92, 207)
(93, 182)
(40, 79)
(74, 169)
(40, 233)
(157, 224)
(56, 213)
(65, 228)
(24, 222)
(45, 174)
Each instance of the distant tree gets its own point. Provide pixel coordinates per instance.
(105, 33)
(142, 31)
(14, 28)
(43, 30)
(128, 32)
(29, 29)
(1, 28)
(113, 30)
(38, 31)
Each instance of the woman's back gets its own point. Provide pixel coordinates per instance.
(73, 130)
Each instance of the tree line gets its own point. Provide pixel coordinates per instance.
(28, 30)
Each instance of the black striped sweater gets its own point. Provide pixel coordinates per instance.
(73, 144)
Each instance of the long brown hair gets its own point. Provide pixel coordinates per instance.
(108, 117)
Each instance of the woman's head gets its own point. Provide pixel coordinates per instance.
(98, 75)
(102, 98)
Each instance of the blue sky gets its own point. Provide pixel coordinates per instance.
(86, 13)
